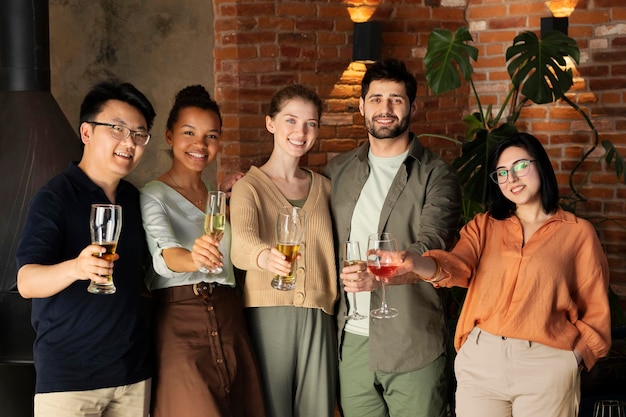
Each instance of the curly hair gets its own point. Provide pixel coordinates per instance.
(192, 96)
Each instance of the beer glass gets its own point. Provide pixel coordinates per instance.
(214, 222)
(105, 224)
(290, 225)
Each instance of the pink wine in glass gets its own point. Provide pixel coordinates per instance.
(384, 270)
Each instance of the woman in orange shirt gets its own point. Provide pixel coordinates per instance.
(536, 310)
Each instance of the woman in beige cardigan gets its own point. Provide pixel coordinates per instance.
(292, 331)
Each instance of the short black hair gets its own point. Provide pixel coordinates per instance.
(192, 96)
(500, 206)
(115, 90)
(390, 70)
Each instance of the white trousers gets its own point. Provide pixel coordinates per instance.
(504, 377)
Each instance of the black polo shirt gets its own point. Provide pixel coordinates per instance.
(86, 341)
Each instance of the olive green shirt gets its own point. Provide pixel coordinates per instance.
(423, 210)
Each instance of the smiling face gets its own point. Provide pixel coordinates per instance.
(295, 127)
(524, 190)
(108, 158)
(386, 109)
(194, 138)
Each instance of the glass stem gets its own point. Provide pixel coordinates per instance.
(383, 304)
(354, 303)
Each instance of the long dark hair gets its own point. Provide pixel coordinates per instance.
(500, 206)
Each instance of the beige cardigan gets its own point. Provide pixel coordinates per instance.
(254, 206)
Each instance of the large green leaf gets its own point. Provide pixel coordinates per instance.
(538, 65)
(473, 124)
(447, 54)
(612, 153)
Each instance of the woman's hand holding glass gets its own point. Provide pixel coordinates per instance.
(274, 261)
(205, 252)
(214, 224)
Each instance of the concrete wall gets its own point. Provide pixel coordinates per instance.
(160, 46)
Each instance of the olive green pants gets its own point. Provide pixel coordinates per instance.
(297, 354)
(366, 393)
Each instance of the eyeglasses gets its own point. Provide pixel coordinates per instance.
(119, 132)
(519, 169)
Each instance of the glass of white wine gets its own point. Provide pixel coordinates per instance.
(352, 256)
(214, 222)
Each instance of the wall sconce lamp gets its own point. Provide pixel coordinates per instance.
(366, 42)
(560, 9)
(554, 23)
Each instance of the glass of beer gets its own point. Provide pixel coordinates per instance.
(105, 224)
(214, 222)
(290, 225)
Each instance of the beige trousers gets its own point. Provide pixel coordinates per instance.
(124, 401)
(504, 377)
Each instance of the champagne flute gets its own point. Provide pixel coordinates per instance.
(382, 261)
(352, 256)
(214, 222)
(105, 223)
(290, 225)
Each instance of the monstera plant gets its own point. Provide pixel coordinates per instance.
(537, 70)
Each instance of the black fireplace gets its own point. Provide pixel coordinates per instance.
(36, 142)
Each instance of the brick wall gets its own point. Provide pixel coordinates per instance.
(261, 46)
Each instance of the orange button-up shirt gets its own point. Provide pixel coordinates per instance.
(552, 290)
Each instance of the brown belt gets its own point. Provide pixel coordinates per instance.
(203, 290)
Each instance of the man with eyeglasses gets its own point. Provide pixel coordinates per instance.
(91, 351)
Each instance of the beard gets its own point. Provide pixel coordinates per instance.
(387, 132)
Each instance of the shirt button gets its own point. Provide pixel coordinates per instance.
(213, 333)
(299, 298)
(210, 308)
(220, 360)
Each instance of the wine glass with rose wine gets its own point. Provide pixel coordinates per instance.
(382, 261)
(214, 222)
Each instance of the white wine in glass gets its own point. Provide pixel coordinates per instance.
(352, 256)
(215, 221)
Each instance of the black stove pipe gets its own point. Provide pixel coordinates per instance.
(36, 139)
(36, 142)
(24, 46)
